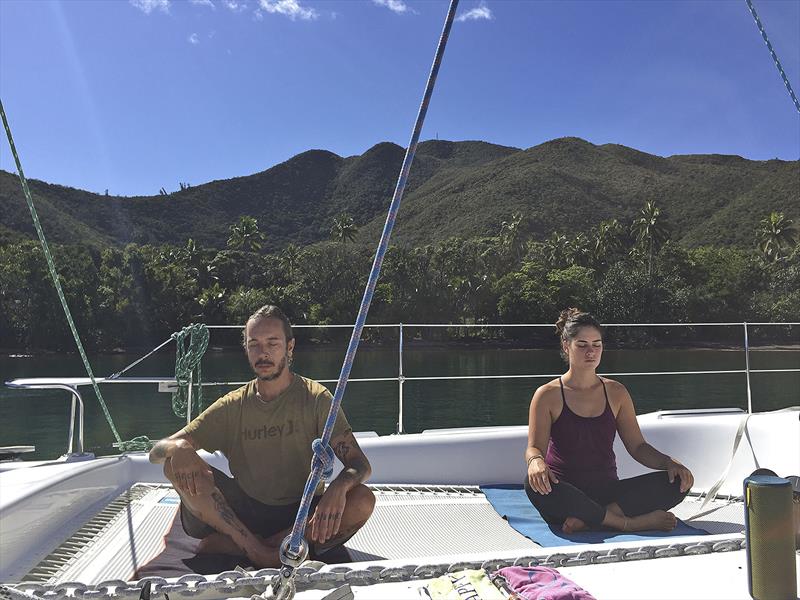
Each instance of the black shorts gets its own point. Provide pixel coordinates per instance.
(262, 519)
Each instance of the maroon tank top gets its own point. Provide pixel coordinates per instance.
(581, 449)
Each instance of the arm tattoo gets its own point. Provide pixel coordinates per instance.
(356, 465)
(342, 449)
(225, 511)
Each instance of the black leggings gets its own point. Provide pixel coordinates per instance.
(635, 496)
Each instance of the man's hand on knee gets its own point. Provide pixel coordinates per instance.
(191, 475)
(328, 515)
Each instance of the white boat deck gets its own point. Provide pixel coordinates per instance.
(68, 525)
(409, 522)
(717, 576)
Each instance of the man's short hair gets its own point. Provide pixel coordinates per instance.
(269, 311)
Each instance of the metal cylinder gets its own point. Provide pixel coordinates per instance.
(771, 568)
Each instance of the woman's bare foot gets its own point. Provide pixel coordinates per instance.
(573, 524)
(658, 519)
(218, 543)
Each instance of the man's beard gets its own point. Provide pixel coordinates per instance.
(278, 371)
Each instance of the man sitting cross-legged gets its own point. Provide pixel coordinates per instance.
(265, 429)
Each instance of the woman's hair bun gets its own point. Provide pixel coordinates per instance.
(565, 315)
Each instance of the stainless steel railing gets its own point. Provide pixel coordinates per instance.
(73, 384)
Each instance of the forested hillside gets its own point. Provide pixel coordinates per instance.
(486, 234)
(455, 188)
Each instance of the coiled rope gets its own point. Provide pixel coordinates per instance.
(294, 548)
(190, 344)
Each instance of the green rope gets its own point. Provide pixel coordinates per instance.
(190, 344)
(187, 356)
(136, 444)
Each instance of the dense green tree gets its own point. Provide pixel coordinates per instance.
(140, 294)
(628, 294)
(778, 300)
(245, 235)
(776, 236)
(212, 304)
(524, 296)
(718, 278)
(402, 275)
(333, 277)
(573, 286)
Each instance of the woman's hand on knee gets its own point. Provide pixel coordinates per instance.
(540, 476)
(676, 469)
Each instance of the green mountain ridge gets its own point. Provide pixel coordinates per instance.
(463, 189)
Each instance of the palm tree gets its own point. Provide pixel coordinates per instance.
(578, 250)
(649, 231)
(290, 258)
(557, 250)
(512, 235)
(775, 235)
(244, 235)
(607, 240)
(344, 229)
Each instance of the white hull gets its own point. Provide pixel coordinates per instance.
(43, 504)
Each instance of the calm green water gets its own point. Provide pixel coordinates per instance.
(40, 418)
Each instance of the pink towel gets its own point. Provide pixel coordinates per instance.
(540, 583)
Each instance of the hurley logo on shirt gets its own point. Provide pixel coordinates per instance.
(269, 431)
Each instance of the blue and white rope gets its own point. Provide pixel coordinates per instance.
(774, 56)
(322, 448)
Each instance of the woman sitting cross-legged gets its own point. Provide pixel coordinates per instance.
(572, 471)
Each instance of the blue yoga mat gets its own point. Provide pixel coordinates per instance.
(511, 502)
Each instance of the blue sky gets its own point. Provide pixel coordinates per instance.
(136, 95)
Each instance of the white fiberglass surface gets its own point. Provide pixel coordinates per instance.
(719, 576)
(409, 525)
(42, 506)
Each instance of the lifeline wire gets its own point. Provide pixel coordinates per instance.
(317, 465)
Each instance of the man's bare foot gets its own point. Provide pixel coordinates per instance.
(658, 519)
(218, 543)
(263, 556)
(573, 524)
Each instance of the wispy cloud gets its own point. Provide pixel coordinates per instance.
(194, 39)
(148, 6)
(288, 8)
(480, 12)
(207, 3)
(235, 5)
(396, 6)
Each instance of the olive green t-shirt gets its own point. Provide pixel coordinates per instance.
(268, 444)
